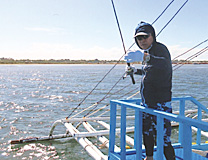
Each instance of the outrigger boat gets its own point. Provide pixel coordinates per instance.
(125, 131)
(121, 132)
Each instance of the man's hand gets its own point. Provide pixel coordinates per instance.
(130, 70)
(146, 57)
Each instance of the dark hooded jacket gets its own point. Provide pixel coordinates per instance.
(157, 74)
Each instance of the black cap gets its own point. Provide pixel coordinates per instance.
(142, 30)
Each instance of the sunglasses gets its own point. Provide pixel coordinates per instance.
(142, 37)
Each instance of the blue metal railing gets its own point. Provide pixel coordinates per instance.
(185, 131)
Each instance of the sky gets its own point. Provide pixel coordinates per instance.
(87, 29)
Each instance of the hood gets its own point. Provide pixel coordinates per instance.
(144, 28)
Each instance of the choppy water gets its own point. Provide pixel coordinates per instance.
(32, 97)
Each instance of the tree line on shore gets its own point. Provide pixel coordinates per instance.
(68, 61)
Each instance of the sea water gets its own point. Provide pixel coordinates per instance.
(32, 97)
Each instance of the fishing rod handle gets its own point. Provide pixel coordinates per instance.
(131, 75)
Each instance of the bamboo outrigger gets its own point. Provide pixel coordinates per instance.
(180, 118)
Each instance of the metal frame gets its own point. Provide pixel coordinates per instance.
(185, 131)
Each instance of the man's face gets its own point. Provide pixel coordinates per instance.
(145, 41)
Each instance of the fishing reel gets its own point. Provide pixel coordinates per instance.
(130, 71)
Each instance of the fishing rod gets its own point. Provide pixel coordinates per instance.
(124, 48)
(113, 65)
(133, 44)
(122, 40)
(189, 58)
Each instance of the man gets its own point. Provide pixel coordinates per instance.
(155, 86)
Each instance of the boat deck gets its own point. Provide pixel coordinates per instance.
(178, 151)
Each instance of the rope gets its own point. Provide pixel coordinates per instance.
(195, 55)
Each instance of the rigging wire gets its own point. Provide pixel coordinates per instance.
(118, 60)
(193, 56)
(107, 93)
(163, 12)
(154, 21)
(190, 58)
(124, 48)
(94, 88)
(95, 111)
(190, 49)
(121, 36)
(126, 98)
(122, 40)
(199, 53)
(172, 18)
(98, 102)
(180, 65)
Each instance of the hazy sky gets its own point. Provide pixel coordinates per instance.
(87, 29)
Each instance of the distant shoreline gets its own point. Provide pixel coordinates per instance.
(68, 61)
